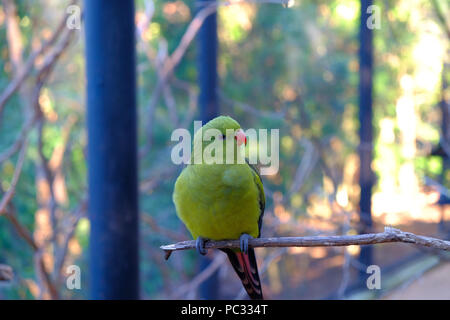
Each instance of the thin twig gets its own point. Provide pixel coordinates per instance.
(156, 228)
(201, 277)
(250, 109)
(172, 61)
(23, 232)
(7, 197)
(389, 235)
(305, 167)
(27, 69)
(13, 34)
(6, 273)
(272, 258)
(61, 256)
(17, 144)
(441, 17)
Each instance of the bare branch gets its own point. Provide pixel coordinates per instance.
(250, 109)
(441, 17)
(150, 221)
(173, 60)
(23, 232)
(55, 46)
(200, 278)
(192, 98)
(347, 260)
(13, 35)
(44, 273)
(305, 167)
(27, 69)
(7, 197)
(389, 235)
(61, 256)
(17, 144)
(6, 272)
(274, 257)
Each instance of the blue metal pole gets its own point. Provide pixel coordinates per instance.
(366, 175)
(207, 66)
(209, 109)
(112, 149)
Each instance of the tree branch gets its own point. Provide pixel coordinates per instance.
(172, 61)
(7, 197)
(441, 17)
(6, 273)
(27, 69)
(389, 235)
(191, 286)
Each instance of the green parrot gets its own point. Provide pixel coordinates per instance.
(223, 201)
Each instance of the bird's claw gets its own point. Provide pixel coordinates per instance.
(200, 246)
(243, 242)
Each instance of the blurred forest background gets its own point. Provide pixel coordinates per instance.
(293, 68)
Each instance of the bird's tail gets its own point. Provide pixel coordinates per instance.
(247, 270)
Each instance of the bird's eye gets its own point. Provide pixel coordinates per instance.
(224, 137)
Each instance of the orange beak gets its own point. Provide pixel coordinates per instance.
(240, 137)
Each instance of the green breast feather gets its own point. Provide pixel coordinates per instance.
(220, 201)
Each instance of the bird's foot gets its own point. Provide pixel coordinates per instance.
(200, 246)
(243, 242)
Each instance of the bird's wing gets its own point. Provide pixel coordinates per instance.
(262, 198)
(245, 263)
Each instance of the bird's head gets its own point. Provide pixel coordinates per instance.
(222, 130)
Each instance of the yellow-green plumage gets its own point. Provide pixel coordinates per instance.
(223, 201)
(219, 201)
